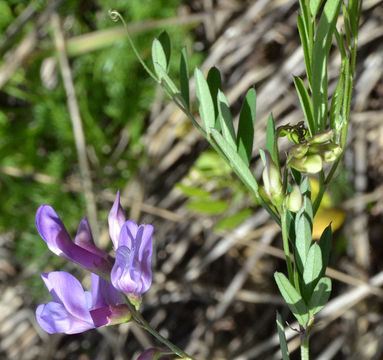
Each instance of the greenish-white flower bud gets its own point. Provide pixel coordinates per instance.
(321, 137)
(293, 200)
(332, 153)
(272, 181)
(310, 164)
(299, 151)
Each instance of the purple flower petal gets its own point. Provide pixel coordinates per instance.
(132, 273)
(128, 234)
(67, 290)
(54, 318)
(120, 275)
(145, 251)
(103, 293)
(84, 239)
(116, 220)
(53, 231)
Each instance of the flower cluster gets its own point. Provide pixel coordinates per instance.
(308, 157)
(74, 310)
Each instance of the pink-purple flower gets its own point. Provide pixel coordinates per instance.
(132, 273)
(74, 310)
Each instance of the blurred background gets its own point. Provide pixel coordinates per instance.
(213, 290)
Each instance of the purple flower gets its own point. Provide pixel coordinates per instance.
(74, 310)
(82, 251)
(132, 273)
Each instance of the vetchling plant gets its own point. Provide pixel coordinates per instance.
(317, 145)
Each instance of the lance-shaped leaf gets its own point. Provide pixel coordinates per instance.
(325, 245)
(206, 106)
(322, 43)
(305, 45)
(314, 6)
(164, 39)
(306, 104)
(225, 119)
(303, 227)
(336, 104)
(320, 295)
(245, 136)
(312, 270)
(215, 84)
(282, 338)
(159, 58)
(271, 141)
(184, 78)
(236, 162)
(292, 298)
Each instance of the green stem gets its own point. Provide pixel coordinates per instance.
(322, 188)
(144, 324)
(286, 247)
(305, 353)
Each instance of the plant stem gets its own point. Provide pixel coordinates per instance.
(144, 324)
(305, 353)
(286, 247)
(322, 188)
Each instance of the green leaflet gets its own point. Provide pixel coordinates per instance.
(321, 49)
(225, 119)
(271, 144)
(206, 106)
(305, 46)
(292, 298)
(312, 270)
(210, 207)
(314, 6)
(325, 246)
(164, 39)
(245, 136)
(320, 295)
(282, 338)
(215, 84)
(336, 104)
(303, 227)
(232, 221)
(159, 58)
(236, 162)
(192, 191)
(306, 104)
(184, 78)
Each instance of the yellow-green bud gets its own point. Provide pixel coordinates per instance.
(293, 200)
(299, 151)
(321, 137)
(332, 153)
(272, 181)
(311, 164)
